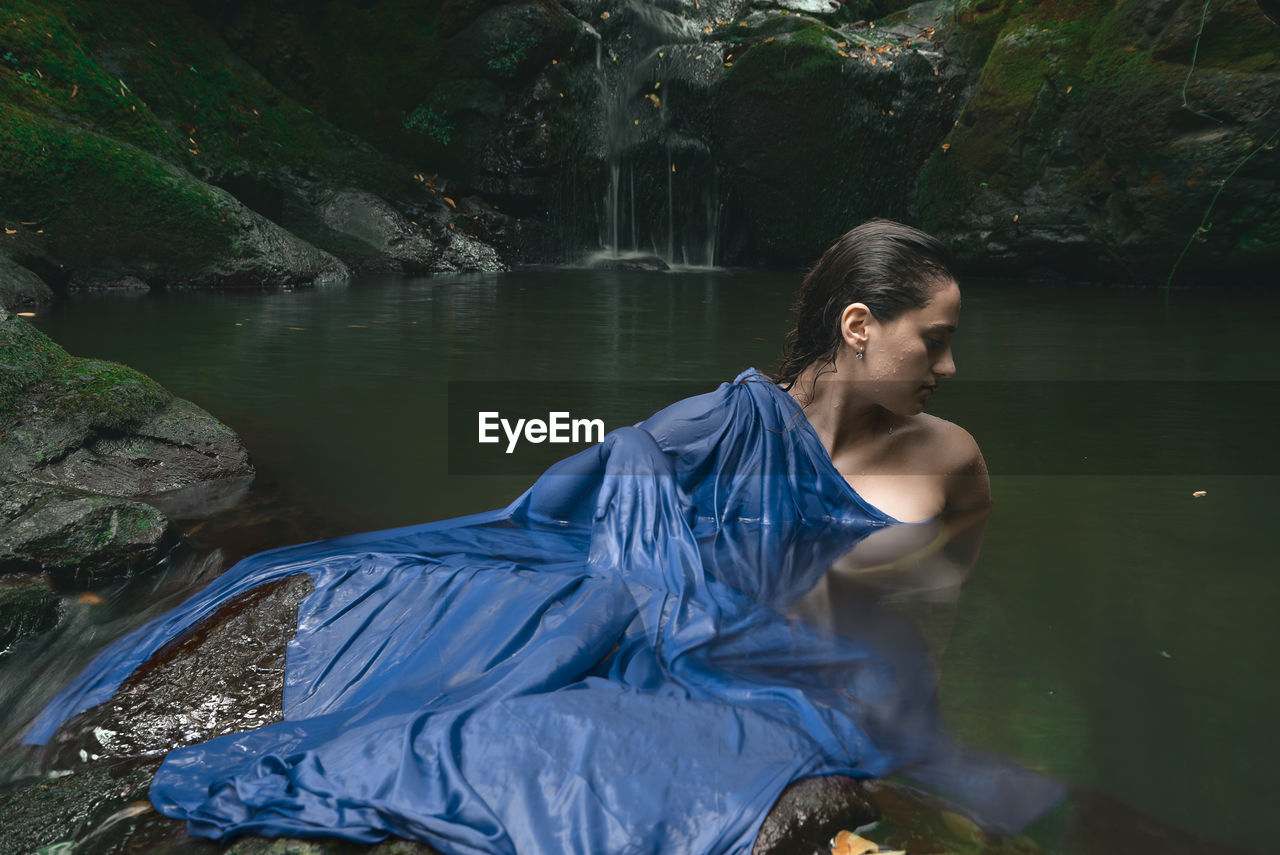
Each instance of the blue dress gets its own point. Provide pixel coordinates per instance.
(604, 666)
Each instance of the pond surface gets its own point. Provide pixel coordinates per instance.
(1118, 631)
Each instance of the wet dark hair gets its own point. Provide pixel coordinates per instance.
(890, 267)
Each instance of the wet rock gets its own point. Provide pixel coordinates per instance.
(627, 262)
(810, 812)
(20, 289)
(181, 446)
(101, 426)
(82, 282)
(1076, 149)
(225, 676)
(798, 176)
(82, 540)
(26, 607)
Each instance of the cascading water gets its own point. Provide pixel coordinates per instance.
(662, 199)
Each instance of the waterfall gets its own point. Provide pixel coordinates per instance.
(662, 198)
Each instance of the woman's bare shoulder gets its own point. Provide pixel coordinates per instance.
(949, 444)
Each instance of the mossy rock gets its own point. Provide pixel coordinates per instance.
(1079, 149)
(819, 129)
(81, 540)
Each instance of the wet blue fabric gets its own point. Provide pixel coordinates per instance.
(603, 666)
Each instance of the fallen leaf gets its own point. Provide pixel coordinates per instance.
(848, 843)
(74, 89)
(26, 314)
(28, 222)
(10, 231)
(1200, 494)
(90, 598)
(946, 146)
(604, 16)
(1069, 88)
(1015, 218)
(654, 100)
(296, 328)
(450, 202)
(357, 326)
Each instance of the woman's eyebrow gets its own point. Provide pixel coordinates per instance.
(944, 325)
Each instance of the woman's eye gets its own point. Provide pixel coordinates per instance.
(933, 343)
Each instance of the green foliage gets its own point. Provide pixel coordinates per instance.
(506, 56)
(426, 120)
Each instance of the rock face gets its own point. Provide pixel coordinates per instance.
(136, 148)
(268, 143)
(1104, 140)
(81, 440)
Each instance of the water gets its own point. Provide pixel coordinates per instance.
(1117, 632)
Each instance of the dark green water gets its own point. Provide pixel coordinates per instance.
(1117, 632)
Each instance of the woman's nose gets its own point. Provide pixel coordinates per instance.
(946, 366)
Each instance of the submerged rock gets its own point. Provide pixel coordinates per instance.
(81, 540)
(26, 607)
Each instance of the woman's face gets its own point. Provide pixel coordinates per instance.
(904, 359)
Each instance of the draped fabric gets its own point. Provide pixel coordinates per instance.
(603, 666)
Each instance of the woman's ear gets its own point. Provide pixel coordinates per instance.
(853, 325)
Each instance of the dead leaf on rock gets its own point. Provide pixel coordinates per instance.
(449, 202)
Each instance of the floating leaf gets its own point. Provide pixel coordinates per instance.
(946, 146)
(848, 843)
(450, 202)
(26, 314)
(654, 100)
(1200, 494)
(90, 598)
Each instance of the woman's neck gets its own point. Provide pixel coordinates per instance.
(841, 416)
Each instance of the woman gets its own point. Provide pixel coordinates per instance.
(606, 664)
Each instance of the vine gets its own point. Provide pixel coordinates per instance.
(1203, 228)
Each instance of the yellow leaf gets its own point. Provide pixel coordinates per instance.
(449, 202)
(296, 328)
(26, 314)
(654, 100)
(1200, 494)
(848, 843)
(1015, 218)
(946, 146)
(604, 16)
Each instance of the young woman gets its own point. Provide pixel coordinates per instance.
(608, 664)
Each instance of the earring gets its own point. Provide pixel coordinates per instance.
(858, 355)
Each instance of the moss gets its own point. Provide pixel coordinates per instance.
(27, 356)
(775, 64)
(80, 185)
(111, 397)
